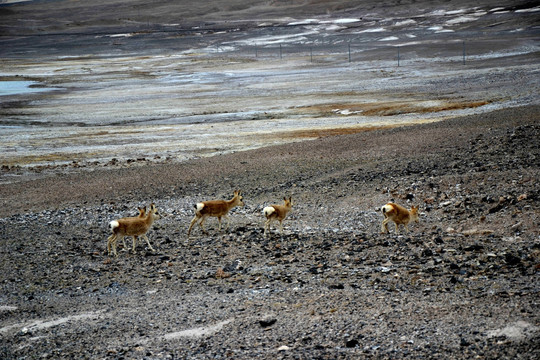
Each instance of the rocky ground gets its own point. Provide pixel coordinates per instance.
(463, 284)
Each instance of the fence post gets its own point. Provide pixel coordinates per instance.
(463, 52)
(349, 52)
(311, 53)
(398, 56)
(280, 52)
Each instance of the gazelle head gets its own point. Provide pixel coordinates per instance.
(142, 211)
(153, 211)
(238, 198)
(288, 202)
(414, 213)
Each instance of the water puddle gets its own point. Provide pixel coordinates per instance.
(21, 87)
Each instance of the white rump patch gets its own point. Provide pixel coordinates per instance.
(200, 206)
(386, 208)
(269, 210)
(114, 224)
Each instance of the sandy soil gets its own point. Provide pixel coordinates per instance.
(462, 284)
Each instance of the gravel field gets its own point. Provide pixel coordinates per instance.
(463, 284)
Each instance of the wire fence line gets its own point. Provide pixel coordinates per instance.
(455, 51)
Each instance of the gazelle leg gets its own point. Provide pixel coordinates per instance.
(201, 224)
(228, 222)
(109, 244)
(267, 226)
(148, 242)
(134, 244)
(193, 221)
(384, 225)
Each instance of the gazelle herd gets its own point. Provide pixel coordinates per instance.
(138, 226)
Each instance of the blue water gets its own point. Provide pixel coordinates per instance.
(20, 87)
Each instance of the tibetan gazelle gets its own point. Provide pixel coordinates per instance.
(277, 212)
(132, 226)
(215, 208)
(399, 215)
